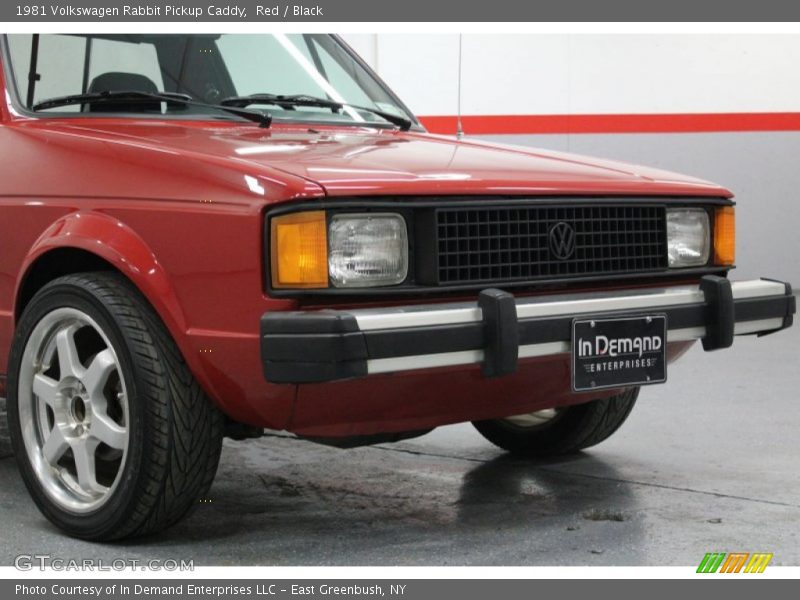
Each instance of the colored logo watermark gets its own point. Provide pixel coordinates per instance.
(734, 562)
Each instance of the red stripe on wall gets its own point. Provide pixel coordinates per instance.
(630, 123)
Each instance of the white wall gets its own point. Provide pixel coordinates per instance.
(588, 74)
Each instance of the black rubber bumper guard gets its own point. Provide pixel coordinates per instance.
(327, 345)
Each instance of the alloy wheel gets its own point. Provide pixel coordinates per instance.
(73, 410)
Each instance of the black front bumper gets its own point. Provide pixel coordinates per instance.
(498, 330)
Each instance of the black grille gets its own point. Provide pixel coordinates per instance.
(479, 244)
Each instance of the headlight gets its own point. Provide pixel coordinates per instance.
(688, 237)
(367, 250)
(352, 250)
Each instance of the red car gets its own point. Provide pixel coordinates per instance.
(207, 235)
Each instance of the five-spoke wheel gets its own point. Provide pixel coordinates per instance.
(113, 435)
(73, 399)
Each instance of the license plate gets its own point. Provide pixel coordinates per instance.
(609, 353)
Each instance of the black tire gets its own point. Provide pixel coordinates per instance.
(174, 431)
(572, 429)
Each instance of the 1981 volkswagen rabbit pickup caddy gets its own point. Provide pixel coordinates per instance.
(212, 234)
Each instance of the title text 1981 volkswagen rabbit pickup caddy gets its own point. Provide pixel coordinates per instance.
(205, 235)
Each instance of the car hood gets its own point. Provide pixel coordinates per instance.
(370, 162)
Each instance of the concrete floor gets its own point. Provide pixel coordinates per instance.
(708, 461)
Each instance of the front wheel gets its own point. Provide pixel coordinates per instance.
(112, 434)
(563, 430)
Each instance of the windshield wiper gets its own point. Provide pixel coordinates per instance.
(289, 102)
(137, 97)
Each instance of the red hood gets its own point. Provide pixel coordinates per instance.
(355, 161)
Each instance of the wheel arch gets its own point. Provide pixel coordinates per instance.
(87, 241)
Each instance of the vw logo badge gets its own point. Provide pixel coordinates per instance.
(562, 240)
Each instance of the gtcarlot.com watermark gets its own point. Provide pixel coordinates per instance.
(42, 562)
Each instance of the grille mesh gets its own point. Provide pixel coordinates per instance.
(477, 244)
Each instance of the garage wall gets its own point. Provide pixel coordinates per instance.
(721, 107)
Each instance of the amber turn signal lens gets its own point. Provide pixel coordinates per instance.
(725, 236)
(299, 250)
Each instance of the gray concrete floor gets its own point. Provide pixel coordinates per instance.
(708, 461)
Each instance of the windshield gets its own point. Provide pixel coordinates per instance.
(208, 68)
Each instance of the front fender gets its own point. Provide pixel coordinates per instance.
(117, 244)
(225, 362)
